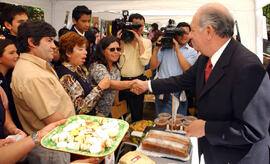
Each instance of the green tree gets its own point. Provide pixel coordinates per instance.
(35, 13)
(266, 13)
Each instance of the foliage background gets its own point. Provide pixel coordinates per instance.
(266, 12)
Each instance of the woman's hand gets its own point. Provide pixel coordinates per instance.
(7, 141)
(15, 131)
(100, 115)
(104, 84)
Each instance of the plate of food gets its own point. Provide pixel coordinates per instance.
(136, 130)
(87, 135)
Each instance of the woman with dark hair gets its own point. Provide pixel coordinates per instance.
(153, 31)
(8, 59)
(103, 65)
(73, 75)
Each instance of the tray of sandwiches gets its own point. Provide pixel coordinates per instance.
(158, 143)
(87, 135)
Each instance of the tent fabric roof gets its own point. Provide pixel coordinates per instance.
(248, 13)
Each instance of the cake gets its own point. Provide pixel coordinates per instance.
(165, 142)
(169, 136)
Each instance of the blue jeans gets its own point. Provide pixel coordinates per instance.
(165, 105)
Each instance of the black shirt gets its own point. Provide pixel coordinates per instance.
(5, 84)
(11, 37)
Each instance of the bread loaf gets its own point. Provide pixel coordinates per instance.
(164, 146)
(169, 136)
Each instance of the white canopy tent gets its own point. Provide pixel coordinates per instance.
(248, 13)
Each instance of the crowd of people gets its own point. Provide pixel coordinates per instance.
(44, 81)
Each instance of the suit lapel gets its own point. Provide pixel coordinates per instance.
(218, 72)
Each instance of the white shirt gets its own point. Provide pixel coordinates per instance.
(213, 59)
(82, 34)
(218, 53)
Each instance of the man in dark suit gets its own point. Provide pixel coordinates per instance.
(232, 92)
(81, 17)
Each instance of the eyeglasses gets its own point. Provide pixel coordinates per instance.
(117, 49)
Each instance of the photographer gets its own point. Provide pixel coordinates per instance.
(134, 56)
(171, 62)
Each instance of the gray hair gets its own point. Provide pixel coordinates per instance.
(222, 22)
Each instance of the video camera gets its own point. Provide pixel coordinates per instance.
(170, 32)
(124, 25)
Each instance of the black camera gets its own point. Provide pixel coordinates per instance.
(124, 25)
(169, 33)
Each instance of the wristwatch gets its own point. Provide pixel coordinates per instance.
(158, 45)
(35, 137)
(99, 89)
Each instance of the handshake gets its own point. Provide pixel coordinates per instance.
(138, 86)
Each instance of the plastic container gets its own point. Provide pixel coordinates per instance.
(190, 118)
(161, 122)
(176, 125)
(185, 124)
(180, 117)
(166, 116)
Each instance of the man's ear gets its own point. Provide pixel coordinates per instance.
(210, 32)
(31, 42)
(74, 21)
(7, 25)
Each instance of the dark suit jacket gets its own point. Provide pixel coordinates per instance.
(234, 103)
(268, 68)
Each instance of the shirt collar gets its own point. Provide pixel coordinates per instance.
(218, 53)
(36, 60)
(78, 69)
(70, 67)
(82, 34)
(185, 46)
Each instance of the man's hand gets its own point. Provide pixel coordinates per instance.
(136, 36)
(119, 34)
(49, 128)
(139, 87)
(158, 42)
(175, 45)
(196, 129)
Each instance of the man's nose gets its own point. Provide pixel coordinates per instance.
(53, 45)
(87, 24)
